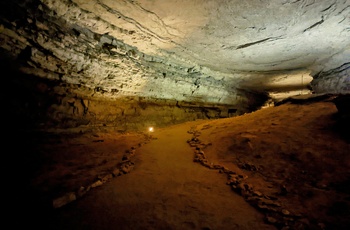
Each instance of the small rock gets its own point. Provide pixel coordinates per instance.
(248, 187)
(242, 176)
(266, 208)
(96, 184)
(126, 168)
(285, 212)
(229, 171)
(106, 178)
(269, 197)
(206, 164)
(257, 193)
(82, 191)
(272, 203)
(271, 220)
(232, 181)
(241, 188)
(61, 201)
(217, 167)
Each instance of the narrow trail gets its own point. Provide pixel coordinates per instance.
(165, 190)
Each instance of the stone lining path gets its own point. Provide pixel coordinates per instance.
(165, 190)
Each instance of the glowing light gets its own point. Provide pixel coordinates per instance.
(150, 129)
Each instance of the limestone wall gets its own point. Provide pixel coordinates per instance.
(45, 104)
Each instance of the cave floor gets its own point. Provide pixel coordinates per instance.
(282, 167)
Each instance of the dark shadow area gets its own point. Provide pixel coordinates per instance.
(342, 117)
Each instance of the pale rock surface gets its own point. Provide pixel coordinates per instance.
(217, 54)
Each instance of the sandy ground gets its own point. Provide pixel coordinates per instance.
(283, 167)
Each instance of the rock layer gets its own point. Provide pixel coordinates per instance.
(218, 54)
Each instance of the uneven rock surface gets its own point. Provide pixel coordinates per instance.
(83, 80)
(283, 167)
(226, 53)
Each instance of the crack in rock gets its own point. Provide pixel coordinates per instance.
(256, 42)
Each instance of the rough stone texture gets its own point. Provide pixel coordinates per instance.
(210, 54)
(333, 80)
(44, 105)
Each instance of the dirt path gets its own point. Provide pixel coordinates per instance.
(166, 190)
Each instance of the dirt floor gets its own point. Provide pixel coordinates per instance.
(282, 167)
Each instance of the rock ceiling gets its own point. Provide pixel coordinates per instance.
(182, 49)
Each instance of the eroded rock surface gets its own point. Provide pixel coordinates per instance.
(215, 54)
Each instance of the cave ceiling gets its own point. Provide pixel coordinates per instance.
(183, 49)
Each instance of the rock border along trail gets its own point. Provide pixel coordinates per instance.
(274, 212)
(165, 190)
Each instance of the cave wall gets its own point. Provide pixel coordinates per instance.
(48, 105)
(66, 76)
(332, 74)
(122, 64)
(54, 48)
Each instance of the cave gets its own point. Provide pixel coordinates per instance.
(177, 114)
